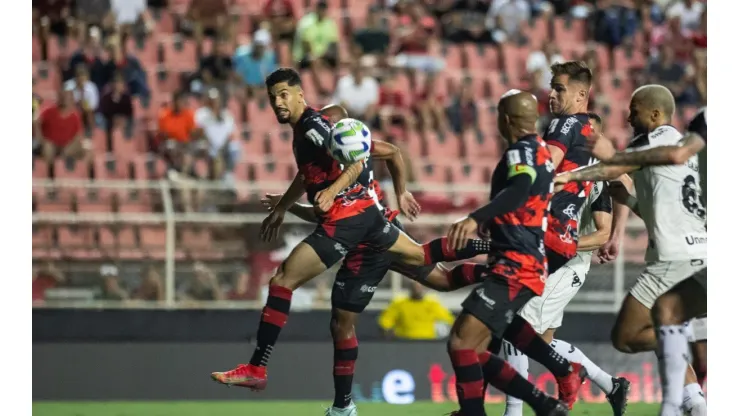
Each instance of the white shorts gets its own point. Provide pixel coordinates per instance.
(660, 276)
(546, 311)
(698, 329)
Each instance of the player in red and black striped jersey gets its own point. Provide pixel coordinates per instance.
(516, 220)
(566, 137)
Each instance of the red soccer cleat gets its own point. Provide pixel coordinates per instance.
(248, 376)
(568, 386)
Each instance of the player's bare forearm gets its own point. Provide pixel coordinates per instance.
(304, 212)
(394, 160)
(291, 196)
(662, 155)
(347, 178)
(620, 215)
(599, 172)
(598, 238)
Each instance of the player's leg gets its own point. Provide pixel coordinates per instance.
(671, 313)
(353, 290)
(519, 362)
(307, 260)
(699, 354)
(466, 333)
(492, 305)
(436, 251)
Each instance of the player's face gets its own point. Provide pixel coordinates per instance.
(639, 118)
(564, 95)
(286, 101)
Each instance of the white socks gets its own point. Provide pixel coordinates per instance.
(673, 357)
(520, 362)
(694, 402)
(595, 373)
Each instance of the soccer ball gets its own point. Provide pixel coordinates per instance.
(350, 141)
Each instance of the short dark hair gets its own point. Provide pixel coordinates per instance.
(594, 116)
(289, 75)
(575, 70)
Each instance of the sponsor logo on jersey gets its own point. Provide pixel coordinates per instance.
(553, 126)
(693, 239)
(482, 294)
(315, 137)
(529, 156)
(570, 211)
(513, 157)
(320, 121)
(368, 289)
(569, 122)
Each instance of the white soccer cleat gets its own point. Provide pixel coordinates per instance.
(350, 410)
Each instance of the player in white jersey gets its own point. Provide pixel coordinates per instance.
(545, 313)
(693, 143)
(673, 285)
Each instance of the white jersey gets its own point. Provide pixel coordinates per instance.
(586, 224)
(669, 200)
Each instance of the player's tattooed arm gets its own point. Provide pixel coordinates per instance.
(596, 172)
(690, 145)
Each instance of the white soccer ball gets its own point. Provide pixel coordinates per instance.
(350, 141)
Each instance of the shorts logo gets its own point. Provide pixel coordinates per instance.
(387, 228)
(576, 281)
(368, 289)
(339, 283)
(340, 248)
(482, 294)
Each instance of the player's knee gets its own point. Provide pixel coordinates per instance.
(667, 310)
(342, 322)
(620, 340)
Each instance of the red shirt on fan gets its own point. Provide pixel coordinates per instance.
(59, 126)
(278, 8)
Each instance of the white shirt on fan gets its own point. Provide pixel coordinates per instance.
(217, 131)
(669, 200)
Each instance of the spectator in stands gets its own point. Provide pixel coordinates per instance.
(215, 70)
(462, 113)
(282, 18)
(253, 63)
(51, 17)
(416, 29)
(93, 13)
(89, 55)
(46, 277)
(357, 92)
(506, 20)
(700, 74)
(440, 8)
(539, 62)
(613, 22)
(131, 69)
(415, 317)
(85, 94)
(429, 105)
(206, 18)
(203, 286)
(133, 17)
(60, 130)
(689, 12)
(110, 284)
(673, 75)
(216, 126)
(116, 109)
(316, 43)
(176, 130)
(466, 22)
(151, 287)
(372, 40)
(393, 107)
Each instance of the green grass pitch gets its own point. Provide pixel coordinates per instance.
(310, 408)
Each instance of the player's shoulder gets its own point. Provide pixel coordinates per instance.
(315, 126)
(665, 134)
(567, 124)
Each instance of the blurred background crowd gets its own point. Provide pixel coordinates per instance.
(135, 90)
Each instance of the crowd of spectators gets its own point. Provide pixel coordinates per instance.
(387, 65)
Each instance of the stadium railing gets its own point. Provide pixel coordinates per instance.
(603, 293)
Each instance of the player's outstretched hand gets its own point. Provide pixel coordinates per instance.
(458, 234)
(408, 206)
(270, 201)
(609, 251)
(601, 147)
(271, 225)
(560, 181)
(323, 201)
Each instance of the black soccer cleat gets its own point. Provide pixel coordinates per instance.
(618, 397)
(553, 407)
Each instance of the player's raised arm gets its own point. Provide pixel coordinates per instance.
(397, 168)
(593, 173)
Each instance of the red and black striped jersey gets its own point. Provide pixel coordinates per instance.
(569, 133)
(517, 237)
(319, 170)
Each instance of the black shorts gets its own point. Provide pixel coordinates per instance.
(496, 301)
(336, 239)
(362, 271)
(555, 261)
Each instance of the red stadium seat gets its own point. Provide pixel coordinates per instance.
(40, 169)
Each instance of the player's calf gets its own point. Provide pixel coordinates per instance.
(345, 355)
(465, 335)
(439, 250)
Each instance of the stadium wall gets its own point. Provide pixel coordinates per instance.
(392, 372)
(235, 325)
